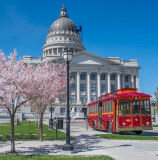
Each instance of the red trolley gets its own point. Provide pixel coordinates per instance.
(121, 110)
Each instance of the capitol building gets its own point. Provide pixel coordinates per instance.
(92, 75)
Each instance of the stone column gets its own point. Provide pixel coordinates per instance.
(57, 51)
(98, 83)
(108, 82)
(62, 52)
(118, 81)
(137, 82)
(123, 80)
(78, 88)
(88, 87)
(132, 81)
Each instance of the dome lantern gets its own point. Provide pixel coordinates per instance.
(63, 12)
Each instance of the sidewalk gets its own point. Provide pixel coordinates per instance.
(87, 144)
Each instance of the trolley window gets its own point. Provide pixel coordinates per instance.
(145, 107)
(135, 107)
(111, 106)
(105, 107)
(124, 107)
(108, 107)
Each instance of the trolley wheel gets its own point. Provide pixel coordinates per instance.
(94, 126)
(138, 132)
(109, 129)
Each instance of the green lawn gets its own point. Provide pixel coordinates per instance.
(126, 137)
(60, 157)
(154, 125)
(25, 128)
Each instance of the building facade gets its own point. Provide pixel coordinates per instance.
(92, 75)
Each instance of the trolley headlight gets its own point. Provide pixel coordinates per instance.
(124, 123)
(147, 123)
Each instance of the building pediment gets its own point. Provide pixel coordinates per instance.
(87, 58)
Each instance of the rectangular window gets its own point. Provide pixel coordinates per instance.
(95, 109)
(135, 107)
(105, 107)
(72, 87)
(93, 98)
(55, 51)
(112, 77)
(60, 38)
(111, 106)
(72, 75)
(92, 76)
(50, 51)
(83, 98)
(62, 110)
(72, 98)
(62, 99)
(126, 86)
(108, 107)
(126, 78)
(92, 87)
(102, 77)
(145, 107)
(112, 88)
(124, 107)
(103, 87)
(82, 77)
(82, 87)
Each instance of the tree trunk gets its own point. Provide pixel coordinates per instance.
(41, 127)
(12, 135)
(38, 121)
(36, 118)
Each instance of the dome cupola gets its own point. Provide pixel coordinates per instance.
(63, 12)
(62, 36)
(63, 23)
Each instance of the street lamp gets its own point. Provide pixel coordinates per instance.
(68, 146)
(50, 122)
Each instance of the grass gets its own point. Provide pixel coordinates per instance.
(126, 137)
(50, 157)
(25, 128)
(154, 125)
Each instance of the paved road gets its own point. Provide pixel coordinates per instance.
(118, 149)
(87, 144)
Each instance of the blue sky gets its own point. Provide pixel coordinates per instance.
(111, 28)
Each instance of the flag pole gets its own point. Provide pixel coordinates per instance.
(81, 33)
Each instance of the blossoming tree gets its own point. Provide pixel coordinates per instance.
(14, 83)
(52, 83)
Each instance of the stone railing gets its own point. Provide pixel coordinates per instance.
(132, 62)
(62, 32)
